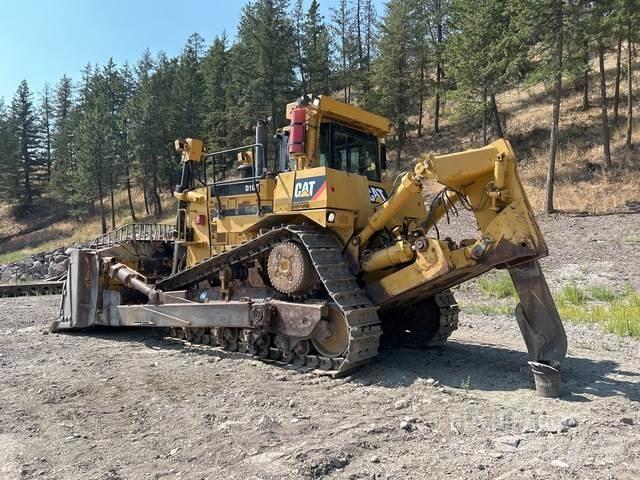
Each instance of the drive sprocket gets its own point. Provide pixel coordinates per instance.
(290, 269)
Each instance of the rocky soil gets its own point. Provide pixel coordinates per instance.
(47, 265)
(128, 404)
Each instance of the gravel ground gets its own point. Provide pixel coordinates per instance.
(128, 404)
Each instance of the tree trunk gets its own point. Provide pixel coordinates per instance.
(27, 173)
(484, 116)
(557, 98)
(344, 64)
(400, 144)
(616, 94)
(346, 90)
(421, 99)
(585, 78)
(48, 139)
(359, 36)
(127, 172)
(145, 194)
(369, 39)
(132, 211)
(157, 204)
(436, 113)
(496, 116)
(103, 218)
(628, 145)
(113, 209)
(145, 189)
(436, 110)
(603, 104)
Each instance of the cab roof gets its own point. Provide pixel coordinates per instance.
(334, 110)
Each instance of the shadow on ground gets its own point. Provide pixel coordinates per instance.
(485, 367)
(463, 365)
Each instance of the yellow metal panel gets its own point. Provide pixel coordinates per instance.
(332, 109)
(458, 169)
(430, 264)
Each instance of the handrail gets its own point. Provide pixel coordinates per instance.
(255, 171)
(135, 232)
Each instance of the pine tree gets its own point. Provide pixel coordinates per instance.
(93, 148)
(124, 125)
(169, 128)
(545, 25)
(423, 52)
(440, 10)
(484, 58)
(263, 86)
(315, 49)
(579, 40)
(393, 70)
(558, 19)
(46, 119)
(65, 117)
(110, 87)
(365, 19)
(189, 89)
(632, 14)
(603, 24)
(299, 38)
(215, 68)
(145, 112)
(342, 28)
(25, 121)
(9, 181)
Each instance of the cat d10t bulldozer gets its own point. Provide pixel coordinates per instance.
(303, 253)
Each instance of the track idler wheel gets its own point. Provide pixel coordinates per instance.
(413, 326)
(290, 269)
(332, 336)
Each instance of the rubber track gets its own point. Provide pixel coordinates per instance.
(326, 254)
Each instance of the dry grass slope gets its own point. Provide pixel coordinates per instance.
(69, 231)
(581, 183)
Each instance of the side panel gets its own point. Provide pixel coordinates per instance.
(80, 296)
(327, 188)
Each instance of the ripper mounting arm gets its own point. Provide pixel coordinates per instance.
(485, 181)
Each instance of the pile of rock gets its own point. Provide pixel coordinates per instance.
(39, 266)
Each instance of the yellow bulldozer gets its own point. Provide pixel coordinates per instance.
(300, 250)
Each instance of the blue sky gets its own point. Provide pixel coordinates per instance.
(40, 40)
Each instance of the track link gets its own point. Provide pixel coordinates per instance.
(449, 312)
(28, 289)
(325, 252)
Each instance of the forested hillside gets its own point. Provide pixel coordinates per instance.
(440, 69)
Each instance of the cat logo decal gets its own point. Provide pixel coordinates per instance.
(308, 189)
(377, 194)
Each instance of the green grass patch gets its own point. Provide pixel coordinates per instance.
(603, 294)
(617, 313)
(572, 295)
(498, 285)
(484, 309)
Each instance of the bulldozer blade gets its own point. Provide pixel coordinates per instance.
(537, 315)
(80, 292)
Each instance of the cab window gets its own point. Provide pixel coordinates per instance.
(349, 150)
